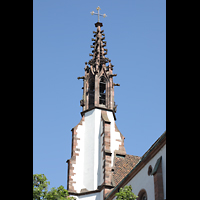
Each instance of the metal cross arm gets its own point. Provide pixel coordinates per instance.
(98, 8)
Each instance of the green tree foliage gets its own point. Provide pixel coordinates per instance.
(40, 185)
(126, 193)
(40, 190)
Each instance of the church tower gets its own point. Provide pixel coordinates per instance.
(96, 139)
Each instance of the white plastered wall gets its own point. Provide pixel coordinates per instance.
(78, 170)
(88, 168)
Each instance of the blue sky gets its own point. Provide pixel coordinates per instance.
(135, 31)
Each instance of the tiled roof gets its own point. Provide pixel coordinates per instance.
(122, 166)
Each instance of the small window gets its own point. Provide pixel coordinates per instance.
(120, 156)
(142, 195)
(149, 170)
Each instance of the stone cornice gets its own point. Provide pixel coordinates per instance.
(101, 108)
(100, 188)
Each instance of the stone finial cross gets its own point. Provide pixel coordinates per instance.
(98, 8)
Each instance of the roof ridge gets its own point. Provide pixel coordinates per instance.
(154, 144)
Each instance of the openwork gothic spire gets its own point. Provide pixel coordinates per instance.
(99, 51)
(98, 86)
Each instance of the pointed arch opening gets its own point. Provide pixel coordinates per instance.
(102, 91)
(91, 92)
